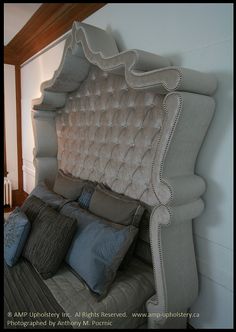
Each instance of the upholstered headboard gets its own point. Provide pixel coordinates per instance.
(131, 120)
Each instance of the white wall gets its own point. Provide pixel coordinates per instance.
(10, 124)
(197, 36)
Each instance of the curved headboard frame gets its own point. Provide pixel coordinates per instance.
(171, 221)
(174, 188)
(90, 45)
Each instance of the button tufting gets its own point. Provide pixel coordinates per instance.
(110, 121)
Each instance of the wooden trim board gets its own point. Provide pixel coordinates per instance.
(18, 127)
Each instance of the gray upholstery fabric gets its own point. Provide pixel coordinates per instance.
(67, 185)
(117, 208)
(50, 237)
(128, 293)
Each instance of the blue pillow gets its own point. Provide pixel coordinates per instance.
(97, 249)
(16, 230)
(85, 197)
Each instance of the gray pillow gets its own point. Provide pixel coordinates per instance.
(73, 210)
(32, 206)
(97, 248)
(115, 207)
(50, 237)
(68, 186)
(48, 196)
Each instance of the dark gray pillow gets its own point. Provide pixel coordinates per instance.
(115, 207)
(68, 186)
(32, 206)
(48, 196)
(50, 237)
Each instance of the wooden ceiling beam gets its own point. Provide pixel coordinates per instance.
(9, 56)
(47, 24)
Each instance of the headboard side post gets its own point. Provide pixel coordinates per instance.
(45, 151)
(172, 247)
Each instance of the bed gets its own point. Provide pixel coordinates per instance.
(132, 124)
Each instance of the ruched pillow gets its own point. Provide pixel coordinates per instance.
(50, 237)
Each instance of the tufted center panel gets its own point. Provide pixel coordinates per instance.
(108, 132)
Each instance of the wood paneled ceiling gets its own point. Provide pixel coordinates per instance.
(47, 24)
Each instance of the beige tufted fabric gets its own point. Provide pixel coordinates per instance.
(108, 132)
